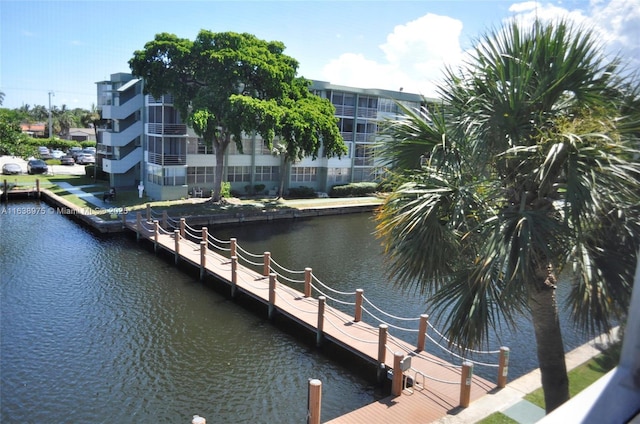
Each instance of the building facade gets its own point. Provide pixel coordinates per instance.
(143, 139)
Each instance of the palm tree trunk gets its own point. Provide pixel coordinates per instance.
(546, 324)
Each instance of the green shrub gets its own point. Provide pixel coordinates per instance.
(301, 193)
(225, 190)
(354, 190)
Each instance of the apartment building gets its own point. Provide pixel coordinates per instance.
(144, 140)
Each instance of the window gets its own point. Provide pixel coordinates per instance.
(238, 173)
(338, 175)
(200, 174)
(247, 145)
(174, 176)
(303, 174)
(267, 173)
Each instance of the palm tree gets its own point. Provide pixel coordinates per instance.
(527, 170)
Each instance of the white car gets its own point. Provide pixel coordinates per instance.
(85, 158)
(57, 154)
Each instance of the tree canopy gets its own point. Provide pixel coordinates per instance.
(529, 167)
(226, 84)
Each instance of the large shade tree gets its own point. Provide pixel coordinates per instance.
(528, 170)
(226, 84)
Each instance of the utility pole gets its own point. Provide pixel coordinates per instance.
(51, 93)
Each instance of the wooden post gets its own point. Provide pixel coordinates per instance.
(124, 218)
(503, 367)
(382, 350)
(138, 225)
(398, 375)
(320, 326)
(38, 187)
(165, 219)
(266, 268)
(234, 242)
(272, 295)
(422, 331)
(176, 246)
(358, 314)
(307, 282)
(148, 212)
(156, 233)
(205, 235)
(234, 275)
(203, 259)
(314, 401)
(183, 223)
(465, 384)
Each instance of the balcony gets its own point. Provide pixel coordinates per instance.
(173, 130)
(124, 110)
(122, 138)
(167, 159)
(113, 166)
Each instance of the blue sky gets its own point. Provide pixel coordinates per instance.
(67, 46)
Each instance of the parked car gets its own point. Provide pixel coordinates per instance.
(37, 166)
(73, 151)
(85, 159)
(57, 154)
(11, 169)
(67, 160)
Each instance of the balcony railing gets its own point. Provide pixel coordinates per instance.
(159, 159)
(167, 129)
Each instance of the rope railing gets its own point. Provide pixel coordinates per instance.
(290, 271)
(333, 299)
(246, 252)
(347, 334)
(155, 213)
(163, 231)
(189, 227)
(459, 356)
(212, 242)
(381, 321)
(315, 311)
(402, 346)
(284, 277)
(247, 260)
(482, 352)
(213, 239)
(330, 289)
(192, 235)
(387, 314)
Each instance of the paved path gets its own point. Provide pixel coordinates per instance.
(87, 197)
(510, 400)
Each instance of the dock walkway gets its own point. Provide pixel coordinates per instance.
(430, 387)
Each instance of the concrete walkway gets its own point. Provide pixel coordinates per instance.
(510, 400)
(87, 197)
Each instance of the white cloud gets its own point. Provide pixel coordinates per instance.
(415, 53)
(414, 56)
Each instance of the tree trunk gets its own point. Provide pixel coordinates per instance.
(546, 324)
(217, 176)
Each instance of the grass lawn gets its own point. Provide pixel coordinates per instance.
(579, 379)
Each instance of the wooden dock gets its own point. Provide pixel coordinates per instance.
(425, 387)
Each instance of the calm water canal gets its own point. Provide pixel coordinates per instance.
(98, 329)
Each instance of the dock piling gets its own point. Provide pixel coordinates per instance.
(422, 331)
(314, 401)
(203, 259)
(358, 313)
(176, 247)
(503, 367)
(234, 276)
(272, 295)
(398, 374)
(465, 384)
(266, 269)
(307, 282)
(320, 324)
(382, 350)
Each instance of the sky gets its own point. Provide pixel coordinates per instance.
(65, 47)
